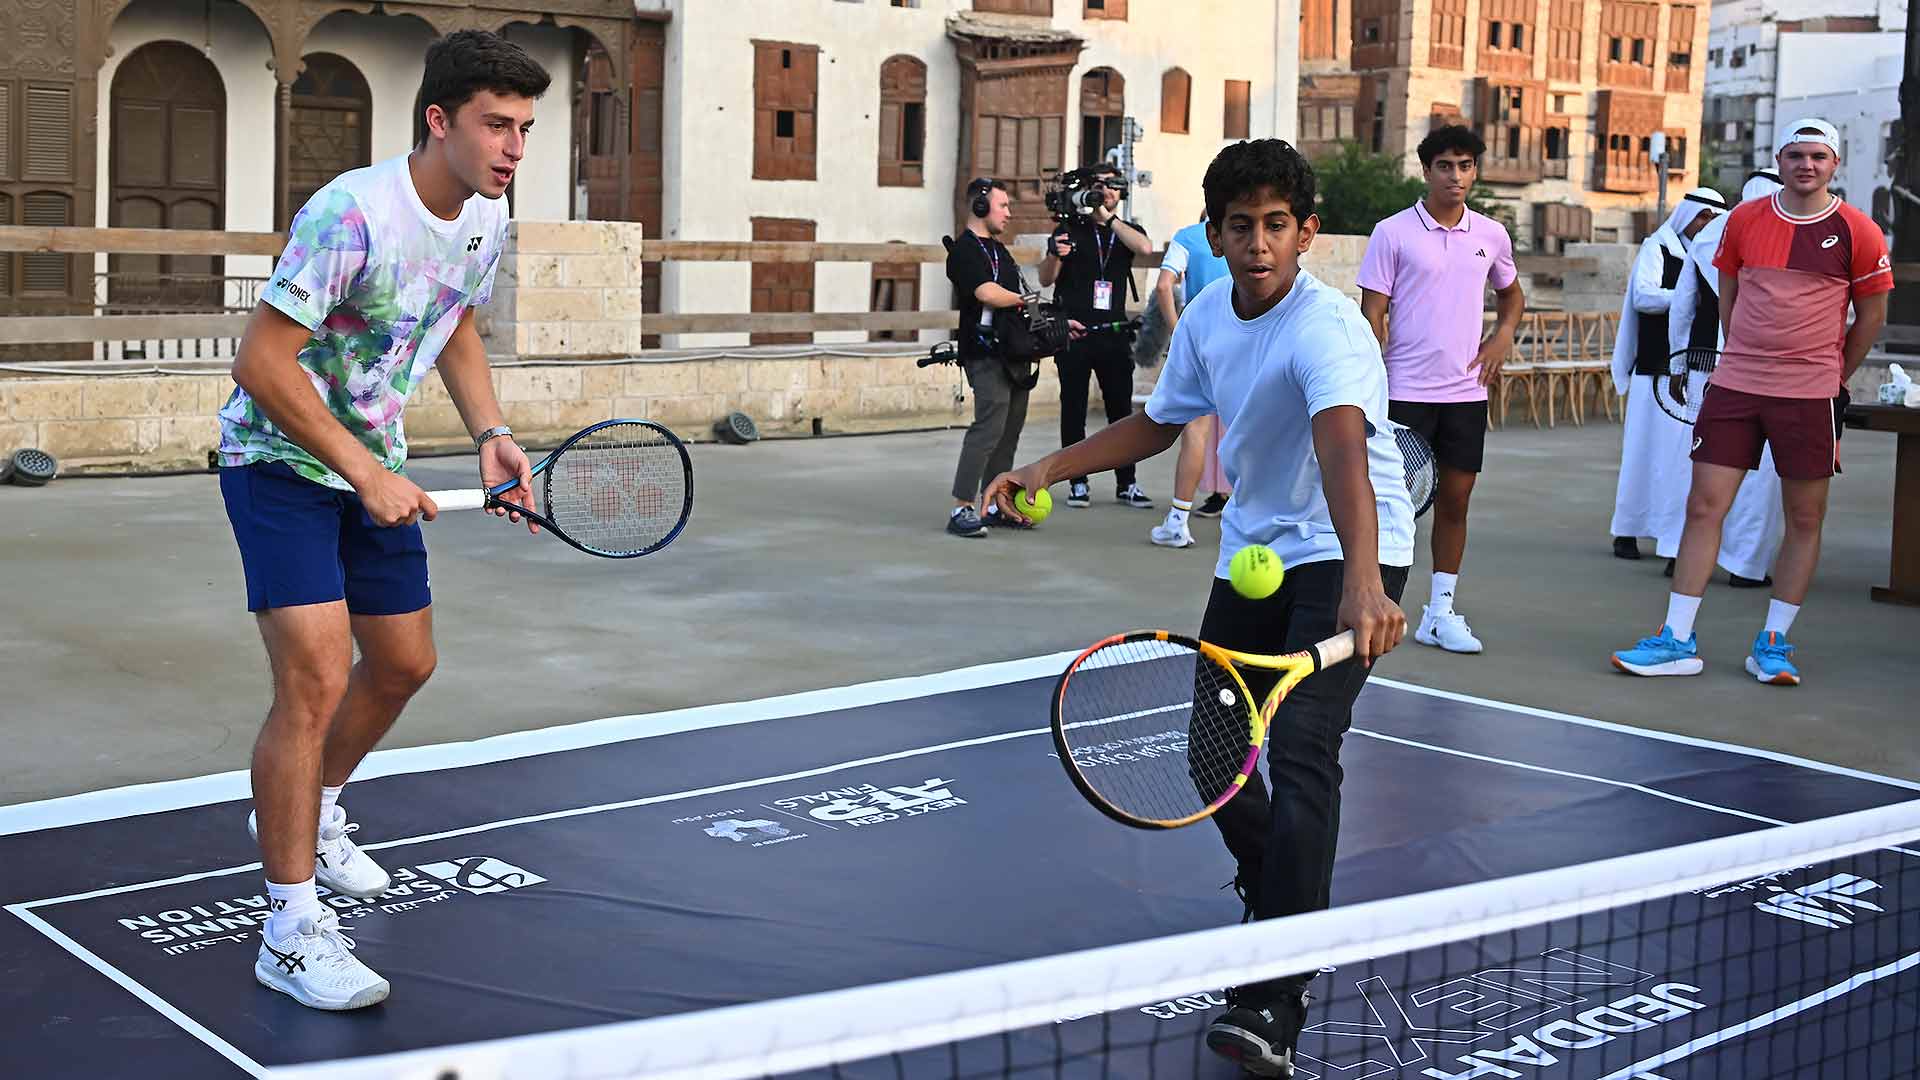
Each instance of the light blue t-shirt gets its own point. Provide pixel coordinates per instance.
(1198, 266)
(1267, 378)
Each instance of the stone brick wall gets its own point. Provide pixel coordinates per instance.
(565, 288)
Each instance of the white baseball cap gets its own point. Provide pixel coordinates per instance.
(1809, 130)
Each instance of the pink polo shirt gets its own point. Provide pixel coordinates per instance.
(1437, 279)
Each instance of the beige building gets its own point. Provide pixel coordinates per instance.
(1567, 94)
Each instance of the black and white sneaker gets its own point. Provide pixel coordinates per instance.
(1078, 494)
(964, 522)
(1211, 508)
(1260, 1040)
(1131, 495)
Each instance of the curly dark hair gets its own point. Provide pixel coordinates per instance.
(466, 62)
(1454, 138)
(1247, 168)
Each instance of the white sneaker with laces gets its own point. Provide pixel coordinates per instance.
(1448, 631)
(338, 863)
(315, 966)
(1167, 534)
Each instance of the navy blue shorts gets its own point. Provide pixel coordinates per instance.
(305, 543)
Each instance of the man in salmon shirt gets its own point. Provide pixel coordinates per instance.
(1789, 267)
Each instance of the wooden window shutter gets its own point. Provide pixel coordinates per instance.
(6, 257)
(6, 146)
(984, 143)
(42, 272)
(889, 143)
(1236, 122)
(49, 142)
(1175, 94)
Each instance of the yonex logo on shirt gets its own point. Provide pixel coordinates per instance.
(298, 292)
(473, 244)
(1829, 241)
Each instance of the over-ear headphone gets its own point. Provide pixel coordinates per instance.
(980, 191)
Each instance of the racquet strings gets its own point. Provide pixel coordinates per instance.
(1158, 731)
(1422, 472)
(620, 489)
(1681, 397)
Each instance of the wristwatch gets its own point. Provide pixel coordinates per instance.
(481, 439)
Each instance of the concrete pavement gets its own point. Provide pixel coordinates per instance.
(127, 656)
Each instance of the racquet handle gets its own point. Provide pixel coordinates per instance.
(459, 499)
(1335, 650)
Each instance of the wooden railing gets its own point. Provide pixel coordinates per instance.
(227, 327)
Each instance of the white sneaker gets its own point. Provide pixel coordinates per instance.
(1167, 534)
(315, 966)
(1449, 631)
(338, 863)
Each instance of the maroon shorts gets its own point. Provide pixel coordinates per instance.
(1733, 424)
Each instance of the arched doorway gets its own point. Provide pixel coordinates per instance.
(1103, 107)
(167, 170)
(331, 123)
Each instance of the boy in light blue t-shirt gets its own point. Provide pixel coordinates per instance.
(1293, 371)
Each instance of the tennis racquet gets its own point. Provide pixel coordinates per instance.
(1422, 472)
(1685, 386)
(1158, 730)
(618, 489)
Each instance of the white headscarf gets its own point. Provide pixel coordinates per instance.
(1673, 234)
(1760, 184)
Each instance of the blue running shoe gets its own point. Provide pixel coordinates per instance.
(1772, 660)
(1660, 655)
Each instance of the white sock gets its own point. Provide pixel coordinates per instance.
(1443, 587)
(329, 798)
(289, 904)
(1780, 616)
(1178, 515)
(1680, 613)
(957, 509)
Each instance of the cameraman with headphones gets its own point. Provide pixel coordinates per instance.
(1091, 256)
(986, 287)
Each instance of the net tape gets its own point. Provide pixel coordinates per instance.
(846, 1026)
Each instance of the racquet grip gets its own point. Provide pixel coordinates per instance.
(1335, 650)
(459, 499)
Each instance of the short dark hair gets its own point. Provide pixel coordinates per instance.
(1454, 138)
(1246, 168)
(466, 62)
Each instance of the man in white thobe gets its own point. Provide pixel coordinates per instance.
(1654, 446)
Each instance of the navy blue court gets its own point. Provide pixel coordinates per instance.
(647, 866)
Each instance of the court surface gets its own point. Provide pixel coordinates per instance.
(652, 865)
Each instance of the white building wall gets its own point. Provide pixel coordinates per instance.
(1866, 114)
(708, 126)
(387, 50)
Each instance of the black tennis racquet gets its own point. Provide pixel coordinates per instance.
(1158, 730)
(1685, 384)
(618, 489)
(1422, 471)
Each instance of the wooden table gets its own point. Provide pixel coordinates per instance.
(1904, 584)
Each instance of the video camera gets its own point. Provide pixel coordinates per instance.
(1072, 193)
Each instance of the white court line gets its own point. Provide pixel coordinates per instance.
(161, 796)
(1765, 1019)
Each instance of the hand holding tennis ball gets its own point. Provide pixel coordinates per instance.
(1256, 572)
(1035, 505)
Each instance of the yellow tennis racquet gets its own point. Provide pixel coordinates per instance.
(1159, 730)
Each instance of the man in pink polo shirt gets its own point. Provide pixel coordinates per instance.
(1428, 267)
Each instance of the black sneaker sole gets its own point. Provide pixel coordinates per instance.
(1247, 1050)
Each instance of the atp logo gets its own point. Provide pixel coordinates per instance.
(473, 245)
(481, 874)
(1829, 242)
(738, 831)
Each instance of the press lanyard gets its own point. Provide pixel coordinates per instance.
(1104, 249)
(993, 257)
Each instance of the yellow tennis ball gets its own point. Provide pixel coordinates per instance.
(1035, 505)
(1256, 572)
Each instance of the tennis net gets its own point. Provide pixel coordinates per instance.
(1790, 951)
